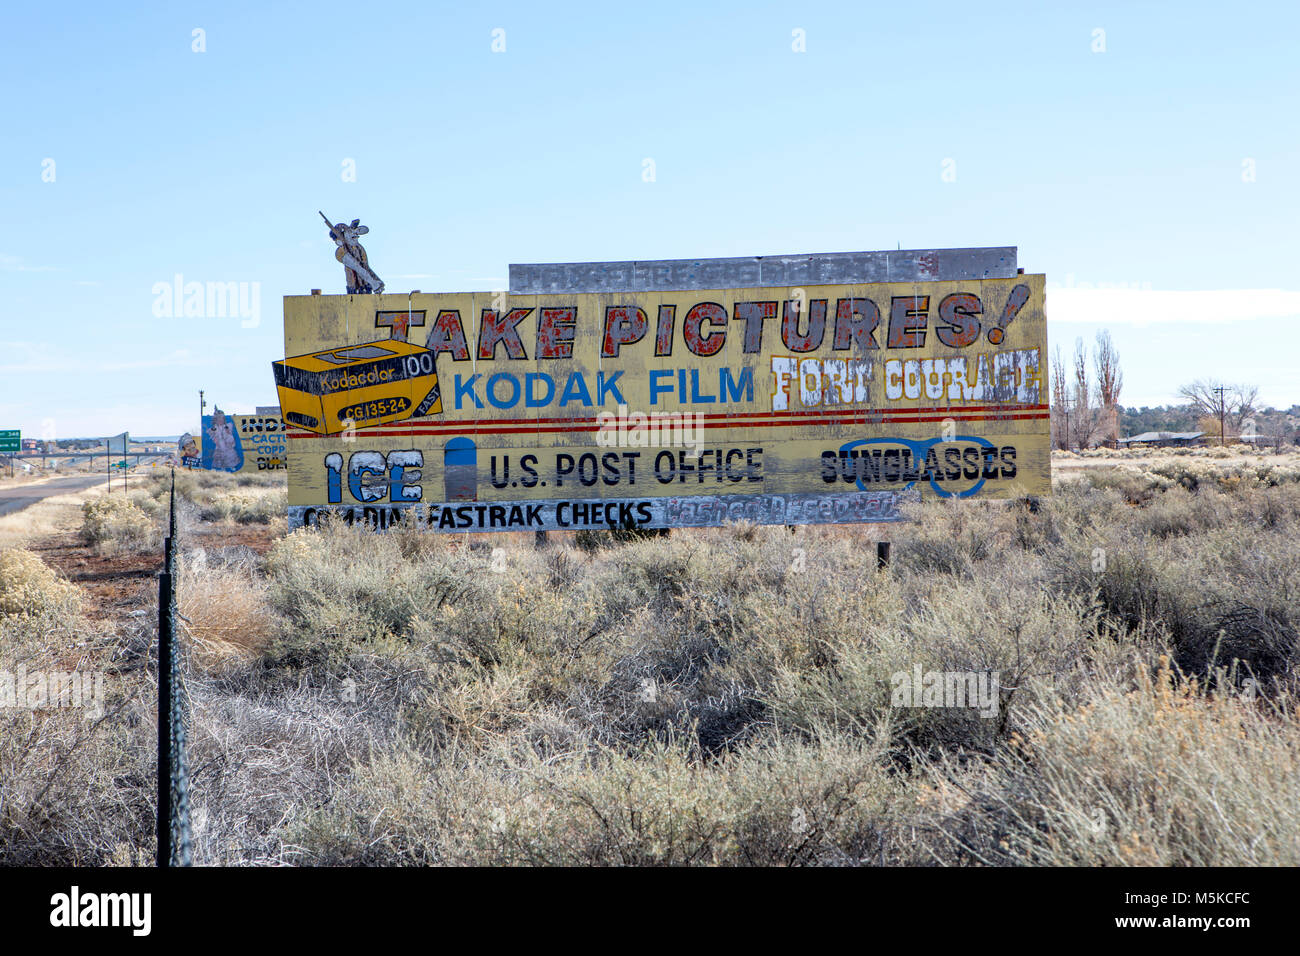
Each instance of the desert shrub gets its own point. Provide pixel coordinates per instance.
(73, 780)
(1216, 570)
(1195, 474)
(654, 638)
(576, 681)
(29, 588)
(1178, 512)
(269, 745)
(75, 786)
(204, 488)
(114, 524)
(779, 803)
(1000, 622)
(594, 539)
(146, 502)
(1160, 773)
(414, 542)
(946, 537)
(337, 587)
(191, 485)
(1220, 596)
(726, 695)
(1136, 487)
(246, 507)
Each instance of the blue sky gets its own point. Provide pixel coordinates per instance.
(1169, 163)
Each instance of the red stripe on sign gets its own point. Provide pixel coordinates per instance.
(811, 417)
(490, 427)
(398, 426)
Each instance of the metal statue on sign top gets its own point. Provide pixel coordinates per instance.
(360, 278)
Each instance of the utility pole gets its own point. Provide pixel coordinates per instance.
(1223, 437)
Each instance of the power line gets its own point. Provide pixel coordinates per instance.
(1223, 437)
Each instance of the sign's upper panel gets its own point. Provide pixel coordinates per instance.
(832, 268)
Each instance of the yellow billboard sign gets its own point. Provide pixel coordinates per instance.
(661, 409)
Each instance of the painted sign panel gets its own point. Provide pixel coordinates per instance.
(336, 389)
(243, 443)
(187, 448)
(776, 405)
(264, 441)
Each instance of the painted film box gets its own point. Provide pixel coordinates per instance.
(372, 384)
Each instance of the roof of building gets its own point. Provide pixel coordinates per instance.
(1162, 436)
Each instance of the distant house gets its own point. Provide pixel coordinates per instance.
(1164, 439)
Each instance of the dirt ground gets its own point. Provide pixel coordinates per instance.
(115, 585)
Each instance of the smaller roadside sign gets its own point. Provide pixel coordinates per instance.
(10, 439)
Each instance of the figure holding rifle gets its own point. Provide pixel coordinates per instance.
(360, 278)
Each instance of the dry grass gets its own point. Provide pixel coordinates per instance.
(608, 706)
(723, 696)
(1233, 452)
(227, 620)
(795, 803)
(73, 788)
(248, 507)
(1161, 773)
(50, 516)
(74, 781)
(254, 498)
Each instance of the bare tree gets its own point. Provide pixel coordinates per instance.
(1060, 401)
(1083, 418)
(1279, 433)
(1232, 404)
(1110, 380)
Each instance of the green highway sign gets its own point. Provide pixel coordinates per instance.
(10, 440)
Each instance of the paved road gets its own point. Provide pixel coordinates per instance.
(18, 497)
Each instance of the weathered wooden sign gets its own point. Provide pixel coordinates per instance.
(779, 405)
(242, 443)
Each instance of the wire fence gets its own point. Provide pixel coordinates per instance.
(175, 844)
